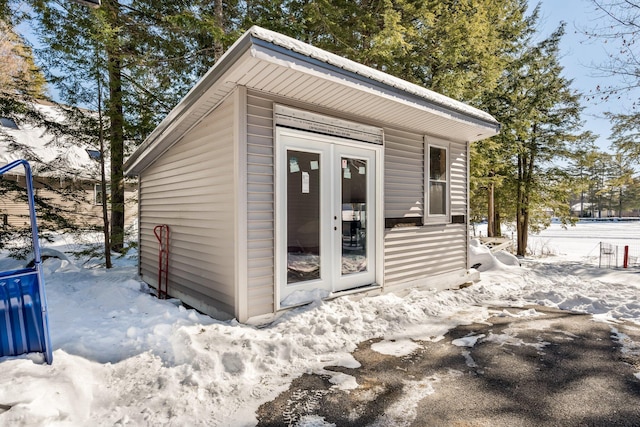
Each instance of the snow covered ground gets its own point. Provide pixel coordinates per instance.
(122, 357)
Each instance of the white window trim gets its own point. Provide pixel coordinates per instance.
(436, 218)
(97, 198)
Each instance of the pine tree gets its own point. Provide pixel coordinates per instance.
(22, 90)
(18, 72)
(453, 47)
(150, 54)
(540, 117)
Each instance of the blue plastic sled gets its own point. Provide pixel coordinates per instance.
(24, 325)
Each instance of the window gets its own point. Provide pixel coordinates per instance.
(437, 185)
(93, 154)
(97, 192)
(8, 123)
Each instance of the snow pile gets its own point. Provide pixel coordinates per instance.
(482, 256)
(123, 357)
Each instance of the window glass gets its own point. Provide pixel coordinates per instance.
(437, 198)
(437, 163)
(98, 194)
(438, 186)
(8, 123)
(93, 154)
(354, 215)
(303, 216)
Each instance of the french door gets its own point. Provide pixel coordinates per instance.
(325, 215)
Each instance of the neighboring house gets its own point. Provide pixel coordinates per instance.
(590, 210)
(65, 173)
(289, 174)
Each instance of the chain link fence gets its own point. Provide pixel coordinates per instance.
(619, 256)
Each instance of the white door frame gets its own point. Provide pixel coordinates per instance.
(330, 148)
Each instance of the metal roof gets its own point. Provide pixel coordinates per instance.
(270, 62)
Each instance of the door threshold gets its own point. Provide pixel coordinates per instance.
(364, 289)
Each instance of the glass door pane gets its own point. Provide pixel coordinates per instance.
(303, 216)
(354, 215)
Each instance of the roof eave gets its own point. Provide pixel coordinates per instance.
(224, 64)
(263, 45)
(384, 87)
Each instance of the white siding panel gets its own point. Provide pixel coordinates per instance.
(458, 161)
(260, 205)
(190, 188)
(403, 175)
(413, 253)
(416, 252)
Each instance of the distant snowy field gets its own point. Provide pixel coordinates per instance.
(122, 357)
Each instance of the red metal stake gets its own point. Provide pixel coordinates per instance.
(626, 256)
(162, 234)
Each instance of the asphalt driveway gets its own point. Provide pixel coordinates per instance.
(553, 369)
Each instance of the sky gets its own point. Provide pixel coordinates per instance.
(580, 57)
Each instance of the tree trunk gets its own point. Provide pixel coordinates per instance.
(620, 203)
(491, 211)
(524, 188)
(103, 181)
(522, 219)
(218, 47)
(116, 136)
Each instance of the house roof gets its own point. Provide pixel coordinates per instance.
(47, 154)
(276, 64)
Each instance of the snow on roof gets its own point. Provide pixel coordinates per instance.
(579, 206)
(48, 154)
(368, 72)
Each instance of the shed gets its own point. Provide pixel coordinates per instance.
(289, 174)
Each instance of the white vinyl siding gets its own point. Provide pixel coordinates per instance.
(412, 253)
(458, 177)
(191, 188)
(403, 174)
(260, 206)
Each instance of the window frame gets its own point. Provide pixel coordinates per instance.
(97, 196)
(430, 218)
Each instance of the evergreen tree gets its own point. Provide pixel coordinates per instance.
(149, 53)
(22, 92)
(540, 114)
(580, 171)
(18, 72)
(620, 182)
(453, 47)
(625, 134)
